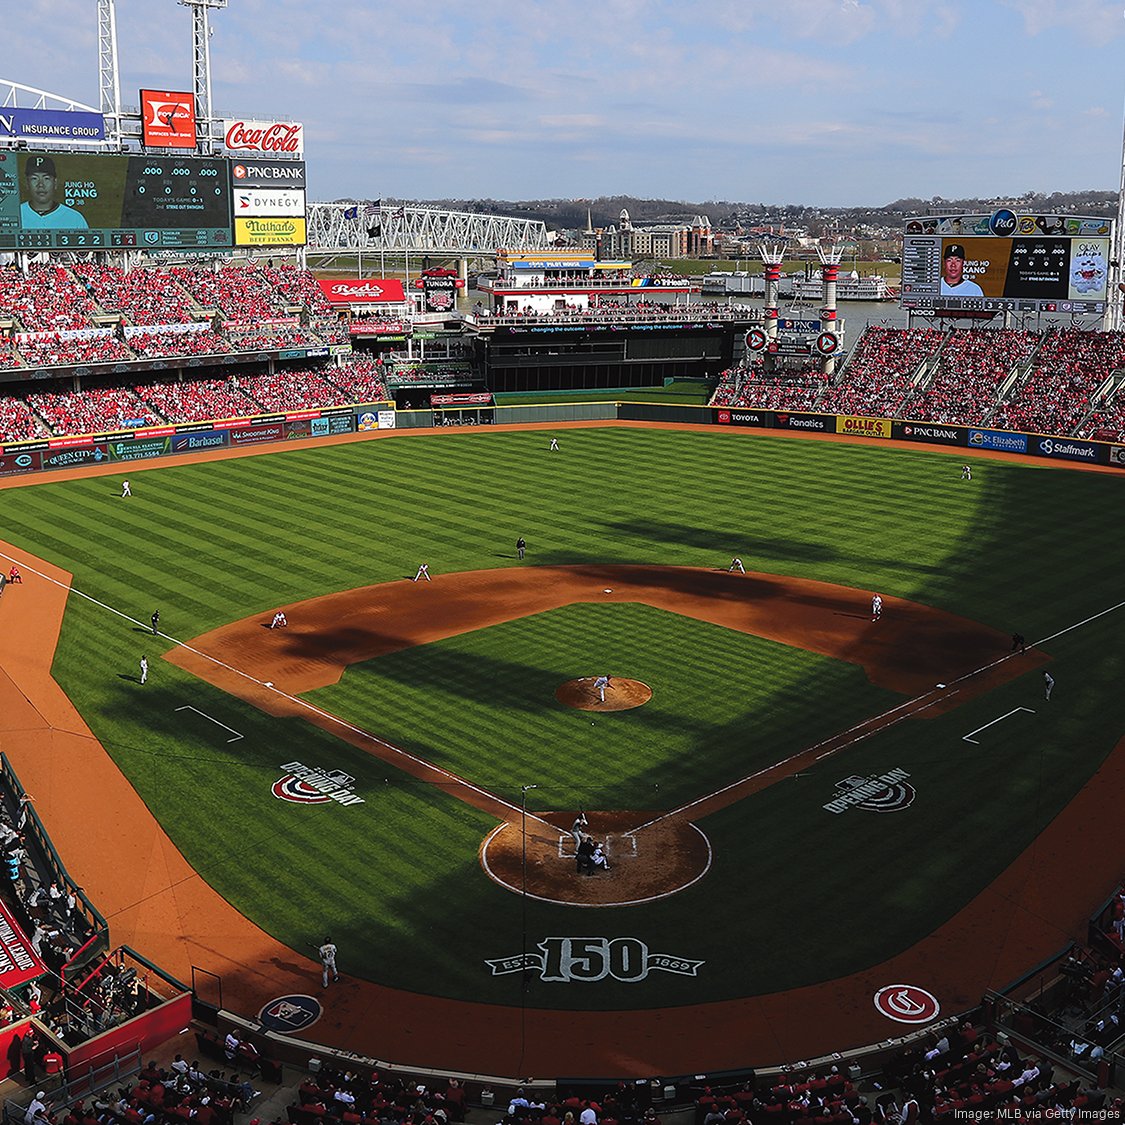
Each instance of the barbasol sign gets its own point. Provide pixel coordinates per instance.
(1071, 450)
(1003, 440)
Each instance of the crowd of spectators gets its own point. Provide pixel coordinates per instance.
(360, 379)
(293, 389)
(972, 368)
(96, 409)
(273, 337)
(240, 294)
(793, 389)
(18, 421)
(157, 344)
(298, 286)
(878, 378)
(53, 351)
(197, 400)
(45, 299)
(1070, 366)
(145, 296)
(336, 1097)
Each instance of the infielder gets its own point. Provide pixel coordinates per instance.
(125, 489)
(144, 669)
(279, 621)
(736, 564)
(876, 607)
(1048, 685)
(423, 572)
(155, 621)
(328, 962)
(600, 684)
(521, 547)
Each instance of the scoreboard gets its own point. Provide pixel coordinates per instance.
(86, 201)
(1006, 261)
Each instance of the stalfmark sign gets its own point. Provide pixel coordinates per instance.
(311, 785)
(569, 960)
(884, 792)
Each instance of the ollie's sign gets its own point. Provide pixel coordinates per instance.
(363, 290)
(265, 136)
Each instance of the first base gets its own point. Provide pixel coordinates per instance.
(607, 591)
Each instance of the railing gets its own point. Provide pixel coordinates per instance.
(669, 313)
(81, 1081)
(514, 285)
(98, 942)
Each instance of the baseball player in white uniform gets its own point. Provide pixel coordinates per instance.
(966, 472)
(125, 489)
(279, 621)
(144, 669)
(580, 822)
(1048, 685)
(423, 572)
(554, 446)
(736, 564)
(600, 684)
(328, 962)
(876, 607)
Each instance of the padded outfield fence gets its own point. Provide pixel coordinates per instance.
(152, 442)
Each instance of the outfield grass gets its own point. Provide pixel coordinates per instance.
(397, 876)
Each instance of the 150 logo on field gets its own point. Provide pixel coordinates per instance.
(569, 959)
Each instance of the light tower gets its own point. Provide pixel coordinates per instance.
(109, 76)
(201, 63)
(829, 271)
(772, 253)
(1115, 298)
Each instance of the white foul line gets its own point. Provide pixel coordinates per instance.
(188, 707)
(968, 738)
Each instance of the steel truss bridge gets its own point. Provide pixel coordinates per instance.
(335, 228)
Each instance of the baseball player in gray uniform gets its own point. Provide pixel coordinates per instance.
(328, 962)
(600, 684)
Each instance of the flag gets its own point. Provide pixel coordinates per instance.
(400, 213)
(375, 230)
(351, 212)
(372, 209)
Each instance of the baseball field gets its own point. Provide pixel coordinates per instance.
(809, 802)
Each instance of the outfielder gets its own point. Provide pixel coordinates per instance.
(144, 669)
(125, 489)
(966, 472)
(328, 962)
(554, 446)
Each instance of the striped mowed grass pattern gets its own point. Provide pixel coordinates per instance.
(210, 542)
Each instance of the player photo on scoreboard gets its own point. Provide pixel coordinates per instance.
(974, 267)
(68, 191)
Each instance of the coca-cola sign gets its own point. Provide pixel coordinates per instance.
(279, 137)
(363, 290)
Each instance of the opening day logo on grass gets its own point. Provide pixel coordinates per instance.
(591, 959)
(882, 792)
(311, 785)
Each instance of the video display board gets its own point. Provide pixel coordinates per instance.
(80, 201)
(1006, 262)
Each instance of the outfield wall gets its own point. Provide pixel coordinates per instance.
(152, 442)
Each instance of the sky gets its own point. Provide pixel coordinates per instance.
(824, 102)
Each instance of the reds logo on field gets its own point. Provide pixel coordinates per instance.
(907, 1003)
(312, 785)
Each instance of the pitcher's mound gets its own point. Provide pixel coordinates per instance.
(620, 695)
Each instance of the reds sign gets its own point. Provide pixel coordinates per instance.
(363, 291)
(265, 136)
(167, 119)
